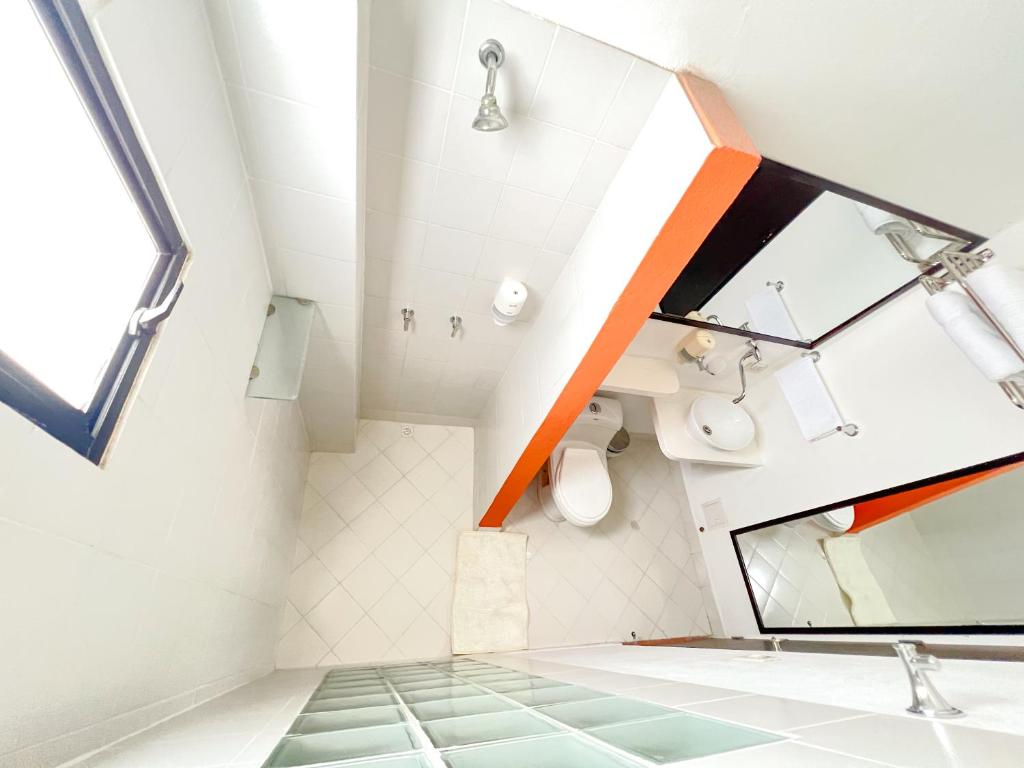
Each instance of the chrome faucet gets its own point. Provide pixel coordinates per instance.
(753, 353)
(926, 699)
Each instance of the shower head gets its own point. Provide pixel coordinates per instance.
(489, 117)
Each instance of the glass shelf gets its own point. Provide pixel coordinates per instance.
(281, 356)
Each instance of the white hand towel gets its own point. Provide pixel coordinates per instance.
(974, 335)
(1001, 288)
(810, 401)
(768, 314)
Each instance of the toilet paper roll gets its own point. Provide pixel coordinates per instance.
(695, 344)
(508, 302)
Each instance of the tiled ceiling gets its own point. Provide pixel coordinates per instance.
(291, 72)
(452, 211)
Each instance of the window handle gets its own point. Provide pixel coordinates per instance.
(146, 319)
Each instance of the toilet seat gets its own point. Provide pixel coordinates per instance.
(581, 487)
(837, 520)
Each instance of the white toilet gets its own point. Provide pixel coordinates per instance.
(575, 485)
(836, 521)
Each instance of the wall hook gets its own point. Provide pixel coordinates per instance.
(407, 316)
(456, 322)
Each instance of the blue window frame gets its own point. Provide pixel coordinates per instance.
(88, 430)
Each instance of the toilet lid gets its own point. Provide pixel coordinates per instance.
(841, 518)
(582, 487)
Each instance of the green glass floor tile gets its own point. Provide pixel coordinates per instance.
(469, 705)
(407, 676)
(438, 694)
(679, 737)
(433, 682)
(563, 751)
(406, 761)
(524, 685)
(350, 702)
(343, 720)
(595, 712)
(370, 674)
(405, 669)
(474, 729)
(341, 745)
(338, 692)
(494, 677)
(350, 678)
(538, 697)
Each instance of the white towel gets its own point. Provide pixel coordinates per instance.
(489, 609)
(768, 314)
(868, 605)
(974, 335)
(882, 222)
(812, 405)
(1001, 288)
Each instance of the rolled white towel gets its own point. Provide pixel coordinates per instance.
(1001, 288)
(882, 222)
(974, 335)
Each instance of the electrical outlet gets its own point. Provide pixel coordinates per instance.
(714, 514)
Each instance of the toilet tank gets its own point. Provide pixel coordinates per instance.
(600, 419)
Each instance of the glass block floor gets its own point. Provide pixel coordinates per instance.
(464, 713)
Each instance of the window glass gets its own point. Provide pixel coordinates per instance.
(75, 253)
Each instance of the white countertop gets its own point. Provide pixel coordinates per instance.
(991, 693)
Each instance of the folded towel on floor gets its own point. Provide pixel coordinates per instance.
(489, 609)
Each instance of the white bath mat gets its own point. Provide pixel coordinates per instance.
(868, 605)
(489, 611)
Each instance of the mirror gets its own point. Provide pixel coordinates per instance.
(942, 553)
(798, 258)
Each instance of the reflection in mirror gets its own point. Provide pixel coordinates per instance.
(832, 262)
(943, 554)
(798, 257)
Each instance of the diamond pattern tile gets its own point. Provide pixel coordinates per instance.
(393, 556)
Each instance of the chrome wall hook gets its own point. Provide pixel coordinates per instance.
(407, 316)
(456, 322)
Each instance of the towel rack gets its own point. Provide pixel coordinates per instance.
(846, 428)
(957, 265)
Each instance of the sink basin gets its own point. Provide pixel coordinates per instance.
(720, 423)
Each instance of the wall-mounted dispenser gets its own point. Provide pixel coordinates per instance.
(509, 301)
(281, 356)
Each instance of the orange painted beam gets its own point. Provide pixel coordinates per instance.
(724, 173)
(869, 513)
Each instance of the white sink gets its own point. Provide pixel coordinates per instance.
(720, 423)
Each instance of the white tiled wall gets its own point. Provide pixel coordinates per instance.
(293, 79)
(372, 573)
(920, 584)
(638, 570)
(974, 537)
(655, 173)
(791, 579)
(132, 591)
(453, 211)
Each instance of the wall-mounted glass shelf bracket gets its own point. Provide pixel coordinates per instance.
(281, 357)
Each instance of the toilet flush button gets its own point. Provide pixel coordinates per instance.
(595, 408)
